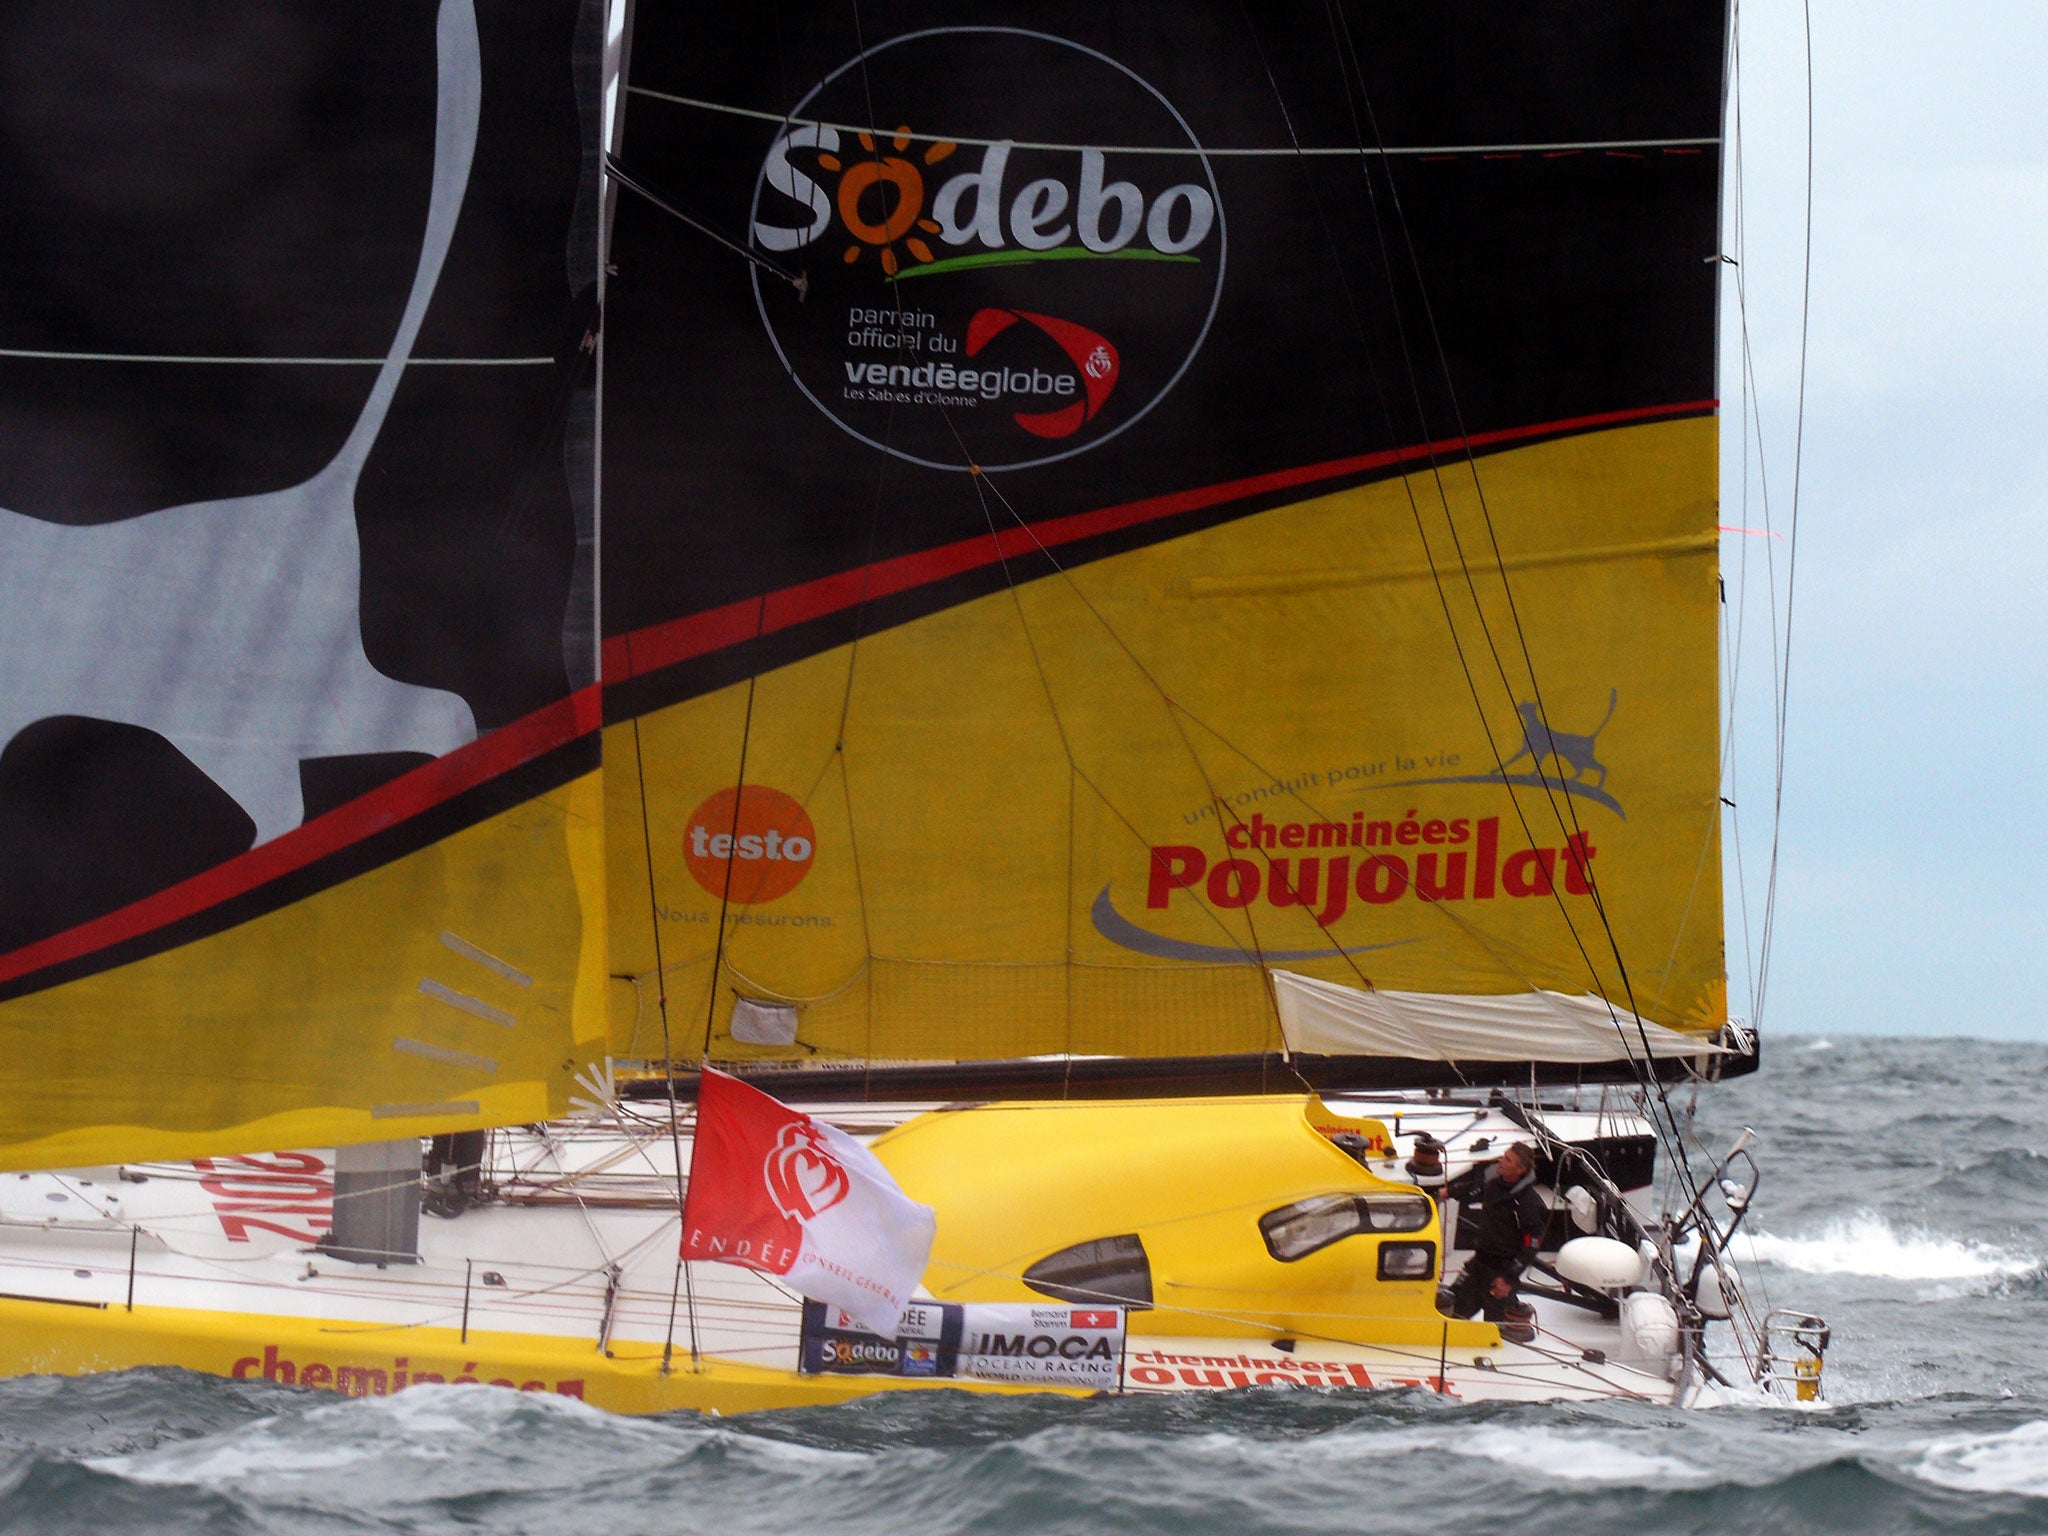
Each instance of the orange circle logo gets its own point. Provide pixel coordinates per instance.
(757, 837)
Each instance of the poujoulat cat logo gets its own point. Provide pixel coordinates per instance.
(1015, 289)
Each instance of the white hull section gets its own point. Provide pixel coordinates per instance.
(577, 1248)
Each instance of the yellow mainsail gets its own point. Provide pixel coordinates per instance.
(1095, 584)
(1081, 815)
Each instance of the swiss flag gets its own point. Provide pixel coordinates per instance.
(1092, 1320)
(775, 1190)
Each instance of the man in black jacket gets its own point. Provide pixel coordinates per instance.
(1510, 1216)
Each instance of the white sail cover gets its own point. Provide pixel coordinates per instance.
(1321, 1018)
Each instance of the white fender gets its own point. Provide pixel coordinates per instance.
(1601, 1263)
(1650, 1325)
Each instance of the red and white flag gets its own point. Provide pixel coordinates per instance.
(774, 1190)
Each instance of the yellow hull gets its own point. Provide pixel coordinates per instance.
(372, 1360)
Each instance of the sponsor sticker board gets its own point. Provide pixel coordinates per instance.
(1047, 1345)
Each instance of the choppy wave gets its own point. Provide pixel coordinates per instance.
(460, 1459)
(1914, 1219)
(2010, 1461)
(1867, 1244)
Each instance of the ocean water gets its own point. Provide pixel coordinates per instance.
(1905, 1197)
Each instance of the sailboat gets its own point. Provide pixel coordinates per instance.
(1120, 605)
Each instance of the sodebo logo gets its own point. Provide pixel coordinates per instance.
(1014, 290)
(880, 200)
(749, 845)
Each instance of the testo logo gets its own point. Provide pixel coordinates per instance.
(1018, 265)
(749, 845)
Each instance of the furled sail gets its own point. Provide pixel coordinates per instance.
(300, 821)
(1159, 496)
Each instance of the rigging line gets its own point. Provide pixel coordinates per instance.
(1422, 534)
(555, 433)
(872, 137)
(838, 753)
(1486, 629)
(1443, 362)
(1436, 475)
(1435, 464)
(1784, 680)
(1752, 420)
(618, 173)
(1735, 625)
(1179, 710)
(1753, 429)
(1731, 623)
(561, 1164)
(1217, 799)
(732, 846)
(1176, 712)
(1256, 954)
(668, 1055)
(1340, 151)
(1408, 488)
(1754, 404)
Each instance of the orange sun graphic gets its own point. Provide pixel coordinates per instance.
(880, 199)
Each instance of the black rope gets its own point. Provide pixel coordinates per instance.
(1647, 1076)
(668, 1061)
(618, 173)
(732, 841)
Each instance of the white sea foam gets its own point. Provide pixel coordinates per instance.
(1570, 1458)
(2012, 1461)
(1867, 1244)
(431, 1423)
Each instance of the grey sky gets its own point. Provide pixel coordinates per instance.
(1911, 892)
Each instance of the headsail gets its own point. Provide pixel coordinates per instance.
(299, 826)
(1164, 498)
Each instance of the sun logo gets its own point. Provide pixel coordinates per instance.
(880, 199)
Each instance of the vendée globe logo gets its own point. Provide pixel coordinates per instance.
(1017, 291)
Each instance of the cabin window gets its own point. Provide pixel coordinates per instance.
(1407, 1261)
(1298, 1230)
(1111, 1270)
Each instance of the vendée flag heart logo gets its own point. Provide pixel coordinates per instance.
(804, 1179)
(774, 1190)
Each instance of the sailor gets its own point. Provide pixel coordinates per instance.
(1510, 1216)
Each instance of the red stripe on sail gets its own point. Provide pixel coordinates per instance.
(663, 645)
(386, 806)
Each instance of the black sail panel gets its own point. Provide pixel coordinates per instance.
(297, 500)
